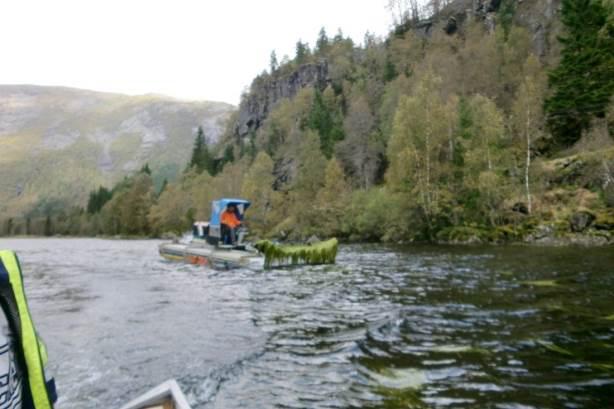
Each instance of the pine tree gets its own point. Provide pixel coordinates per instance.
(390, 71)
(583, 82)
(98, 199)
(145, 169)
(302, 52)
(321, 119)
(201, 158)
(273, 64)
(323, 42)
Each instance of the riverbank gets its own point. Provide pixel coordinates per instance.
(546, 235)
(583, 229)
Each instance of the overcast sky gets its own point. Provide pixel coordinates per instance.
(187, 49)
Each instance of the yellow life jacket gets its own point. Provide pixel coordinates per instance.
(38, 393)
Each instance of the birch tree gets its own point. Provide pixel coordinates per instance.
(527, 115)
(418, 138)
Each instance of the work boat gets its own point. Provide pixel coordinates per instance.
(215, 245)
(209, 247)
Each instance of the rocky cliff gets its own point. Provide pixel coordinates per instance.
(267, 91)
(539, 17)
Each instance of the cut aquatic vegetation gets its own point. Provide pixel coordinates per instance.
(550, 346)
(324, 252)
(541, 283)
(220, 243)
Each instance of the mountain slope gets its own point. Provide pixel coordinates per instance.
(59, 143)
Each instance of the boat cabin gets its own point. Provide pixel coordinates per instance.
(212, 231)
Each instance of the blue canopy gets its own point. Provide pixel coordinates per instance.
(218, 206)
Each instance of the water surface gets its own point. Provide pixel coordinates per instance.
(418, 327)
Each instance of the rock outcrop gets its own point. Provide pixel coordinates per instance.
(580, 221)
(539, 17)
(266, 92)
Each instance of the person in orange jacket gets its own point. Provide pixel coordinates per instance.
(230, 222)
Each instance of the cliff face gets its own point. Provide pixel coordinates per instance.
(266, 92)
(539, 17)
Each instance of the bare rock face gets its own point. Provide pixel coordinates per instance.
(451, 26)
(265, 93)
(539, 17)
(580, 221)
(520, 207)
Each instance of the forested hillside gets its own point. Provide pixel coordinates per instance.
(471, 121)
(58, 143)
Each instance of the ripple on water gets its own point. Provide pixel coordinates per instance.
(386, 327)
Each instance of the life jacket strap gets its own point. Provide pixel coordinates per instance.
(34, 352)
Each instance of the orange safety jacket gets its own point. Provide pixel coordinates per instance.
(230, 219)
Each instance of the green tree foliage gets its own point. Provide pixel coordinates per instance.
(98, 198)
(273, 64)
(127, 212)
(332, 200)
(414, 138)
(415, 147)
(302, 52)
(322, 44)
(507, 9)
(258, 187)
(201, 158)
(303, 217)
(483, 161)
(324, 118)
(180, 203)
(583, 82)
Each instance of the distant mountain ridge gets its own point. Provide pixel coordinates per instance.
(58, 143)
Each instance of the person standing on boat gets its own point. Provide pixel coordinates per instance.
(23, 355)
(230, 222)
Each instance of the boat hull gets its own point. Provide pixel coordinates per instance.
(206, 255)
(166, 395)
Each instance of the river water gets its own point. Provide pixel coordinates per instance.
(387, 327)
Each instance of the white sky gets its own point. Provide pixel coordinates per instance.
(188, 49)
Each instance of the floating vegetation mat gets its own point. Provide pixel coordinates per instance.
(324, 252)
